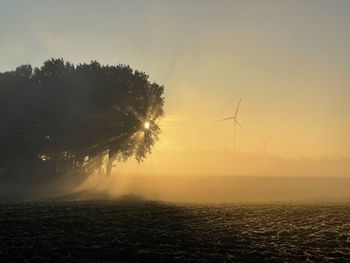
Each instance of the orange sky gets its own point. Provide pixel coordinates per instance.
(288, 61)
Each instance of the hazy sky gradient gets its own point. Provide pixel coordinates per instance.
(288, 60)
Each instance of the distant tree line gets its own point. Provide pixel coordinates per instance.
(62, 118)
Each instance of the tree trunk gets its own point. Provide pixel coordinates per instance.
(109, 166)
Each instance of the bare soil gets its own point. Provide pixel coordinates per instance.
(145, 231)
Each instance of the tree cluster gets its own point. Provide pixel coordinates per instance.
(63, 118)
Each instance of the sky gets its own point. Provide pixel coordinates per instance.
(288, 60)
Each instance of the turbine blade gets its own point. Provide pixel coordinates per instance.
(225, 119)
(239, 104)
(260, 137)
(271, 137)
(240, 126)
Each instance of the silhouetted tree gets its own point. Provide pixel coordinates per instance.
(61, 118)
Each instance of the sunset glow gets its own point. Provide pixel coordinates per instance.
(175, 131)
(146, 125)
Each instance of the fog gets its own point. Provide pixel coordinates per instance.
(216, 162)
(215, 188)
(199, 176)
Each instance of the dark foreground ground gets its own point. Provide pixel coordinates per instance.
(130, 231)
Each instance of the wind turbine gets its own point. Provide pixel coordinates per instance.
(265, 139)
(235, 124)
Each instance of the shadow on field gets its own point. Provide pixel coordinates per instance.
(128, 230)
(124, 230)
(132, 229)
(121, 230)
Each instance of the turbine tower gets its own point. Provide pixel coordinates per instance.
(265, 139)
(235, 124)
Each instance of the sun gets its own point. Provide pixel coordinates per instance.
(146, 125)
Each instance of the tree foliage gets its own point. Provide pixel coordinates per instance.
(60, 117)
